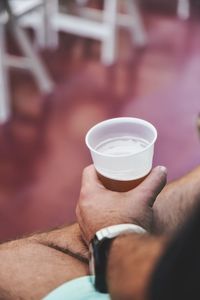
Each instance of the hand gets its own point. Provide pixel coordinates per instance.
(98, 207)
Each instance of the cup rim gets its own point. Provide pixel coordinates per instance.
(142, 121)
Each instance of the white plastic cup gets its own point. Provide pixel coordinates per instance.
(129, 167)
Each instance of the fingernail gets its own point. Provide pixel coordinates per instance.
(163, 169)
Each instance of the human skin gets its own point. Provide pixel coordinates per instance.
(131, 262)
(33, 266)
(132, 258)
(176, 203)
(172, 209)
(97, 207)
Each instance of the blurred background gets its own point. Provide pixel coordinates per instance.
(66, 65)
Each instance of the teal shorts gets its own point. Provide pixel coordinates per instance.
(78, 289)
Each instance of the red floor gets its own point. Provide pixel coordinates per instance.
(42, 150)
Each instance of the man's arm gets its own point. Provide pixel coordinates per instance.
(98, 207)
(176, 202)
(32, 267)
(66, 239)
(131, 255)
(131, 261)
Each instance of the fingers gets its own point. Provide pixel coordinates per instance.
(153, 184)
(149, 188)
(90, 179)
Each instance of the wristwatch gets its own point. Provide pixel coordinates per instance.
(99, 249)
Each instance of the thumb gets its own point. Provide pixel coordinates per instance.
(153, 185)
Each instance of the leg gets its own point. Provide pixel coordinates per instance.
(183, 9)
(4, 89)
(51, 38)
(36, 65)
(138, 31)
(109, 44)
(34, 266)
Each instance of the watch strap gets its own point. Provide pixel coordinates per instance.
(100, 246)
(101, 258)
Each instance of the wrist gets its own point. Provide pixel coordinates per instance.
(131, 262)
(100, 247)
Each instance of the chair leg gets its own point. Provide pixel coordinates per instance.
(109, 42)
(50, 8)
(183, 9)
(40, 33)
(138, 31)
(36, 65)
(4, 90)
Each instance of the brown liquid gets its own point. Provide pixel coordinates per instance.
(119, 185)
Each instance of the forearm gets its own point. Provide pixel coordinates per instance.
(33, 266)
(176, 202)
(131, 262)
(67, 239)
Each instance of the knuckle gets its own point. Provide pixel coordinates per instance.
(85, 199)
(77, 211)
(86, 170)
(84, 193)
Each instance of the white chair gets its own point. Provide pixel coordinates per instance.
(39, 20)
(12, 12)
(102, 25)
(183, 9)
